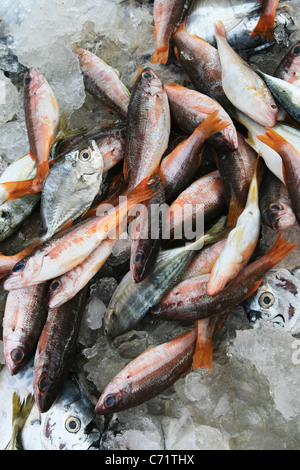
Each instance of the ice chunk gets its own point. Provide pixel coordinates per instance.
(9, 99)
(271, 351)
(13, 140)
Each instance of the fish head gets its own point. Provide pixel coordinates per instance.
(87, 158)
(24, 272)
(115, 397)
(33, 81)
(149, 82)
(279, 215)
(266, 110)
(70, 423)
(16, 351)
(60, 290)
(277, 301)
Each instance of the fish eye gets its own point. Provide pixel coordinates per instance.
(43, 382)
(147, 75)
(110, 401)
(266, 300)
(27, 80)
(297, 50)
(55, 284)
(276, 207)
(73, 424)
(274, 106)
(139, 257)
(17, 355)
(4, 214)
(19, 266)
(85, 155)
(156, 308)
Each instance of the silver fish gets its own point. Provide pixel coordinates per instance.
(277, 301)
(71, 186)
(13, 213)
(239, 18)
(68, 425)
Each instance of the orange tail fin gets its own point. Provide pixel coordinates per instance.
(280, 250)
(17, 189)
(204, 351)
(265, 26)
(273, 139)
(142, 192)
(161, 54)
(211, 125)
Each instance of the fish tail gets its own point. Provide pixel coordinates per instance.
(20, 413)
(17, 189)
(235, 210)
(203, 355)
(280, 250)
(212, 124)
(217, 232)
(265, 26)
(161, 54)
(273, 139)
(143, 192)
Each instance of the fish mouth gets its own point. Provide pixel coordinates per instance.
(254, 316)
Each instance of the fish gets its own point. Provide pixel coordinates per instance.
(236, 170)
(203, 356)
(265, 26)
(286, 93)
(289, 67)
(270, 156)
(242, 240)
(168, 15)
(148, 127)
(65, 287)
(239, 18)
(55, 350)
(70, 423)
(189, 300)
(146, 232)
(21, 412)
(203, 198)
(291, 165)
(70, 248)
(131, 301)
(276, 301)
(242, 86)
(201, 62)
(189, 108)
(148, 375)
(14, 213)
(70, 187)
(110, 138)
(275, 204)
(180, 166)
(24, 318)
(42, 117)
(103, 82)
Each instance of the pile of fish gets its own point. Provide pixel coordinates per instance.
(150, 159)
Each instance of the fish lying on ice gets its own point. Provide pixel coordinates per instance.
(277, 301)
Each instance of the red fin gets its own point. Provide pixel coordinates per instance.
(273, 139)
(211, 125)
(280, 249)
(256, 286)
(265, 27)
(17, 189)
(203, 352)
(235, 210)
(161, 55)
